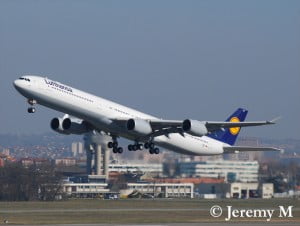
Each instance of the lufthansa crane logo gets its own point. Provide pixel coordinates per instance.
(234, 130)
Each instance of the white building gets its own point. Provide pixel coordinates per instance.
(85, 190)
(164, 190)
(65, 161)
(251, 190)
(267, 190)
(6, 151)
(230, 170)
(77, 148)
(136, 167)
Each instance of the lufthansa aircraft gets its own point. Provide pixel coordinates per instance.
(85, 112)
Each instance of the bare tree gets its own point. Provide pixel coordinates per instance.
(19, 183)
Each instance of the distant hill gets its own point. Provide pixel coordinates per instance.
(8, 140)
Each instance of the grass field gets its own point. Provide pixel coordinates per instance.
(135, 211)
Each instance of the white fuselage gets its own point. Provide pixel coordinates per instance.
(99, 112)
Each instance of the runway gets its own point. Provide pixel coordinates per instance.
(175, 212)
(107, 210)
(180, 224)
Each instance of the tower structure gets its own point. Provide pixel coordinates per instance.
(97, 154)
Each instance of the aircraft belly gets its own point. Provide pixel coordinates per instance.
(83, 111)
(188, 145)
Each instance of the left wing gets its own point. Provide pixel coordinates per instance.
(236, 149)
(164, 127)
(210, 125)
(214, 126)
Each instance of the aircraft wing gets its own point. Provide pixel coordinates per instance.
(214, 126)
(165, 127)
(210, 125)
(236, 149)
(159, 126)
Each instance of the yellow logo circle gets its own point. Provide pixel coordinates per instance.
(234, 130)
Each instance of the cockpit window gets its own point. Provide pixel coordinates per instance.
(26, 79)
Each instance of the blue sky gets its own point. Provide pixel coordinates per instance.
(172, 59)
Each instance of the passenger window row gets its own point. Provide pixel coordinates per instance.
(86, 99)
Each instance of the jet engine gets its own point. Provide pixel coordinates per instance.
(139, 126)
(69, 126)
(194, 127)
(56, 125)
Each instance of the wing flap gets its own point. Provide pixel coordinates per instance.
(158, 124)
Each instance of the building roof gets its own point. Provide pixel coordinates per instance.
(189, 180)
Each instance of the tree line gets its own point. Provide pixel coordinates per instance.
(35, 182)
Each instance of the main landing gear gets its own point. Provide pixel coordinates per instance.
(152, 148)
(32, 102)
(147, 145)
(135, 147)
(114, 145)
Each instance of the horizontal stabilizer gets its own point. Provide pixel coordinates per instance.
(236, 149)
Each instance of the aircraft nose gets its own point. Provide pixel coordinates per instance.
(19, 86)
(17, 83)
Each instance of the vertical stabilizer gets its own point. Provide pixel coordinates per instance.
(229, 135)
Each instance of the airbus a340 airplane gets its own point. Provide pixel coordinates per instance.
(85, 112)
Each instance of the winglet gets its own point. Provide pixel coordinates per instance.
(273, 121)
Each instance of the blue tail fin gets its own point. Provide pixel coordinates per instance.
(229, 135)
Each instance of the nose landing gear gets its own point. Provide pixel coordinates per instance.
(32, 102)
(31, 110)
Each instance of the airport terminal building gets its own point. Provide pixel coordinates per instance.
(155, 168)
(164, 190)
(231, 171)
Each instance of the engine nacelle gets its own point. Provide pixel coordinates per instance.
(69, 126)
(56, 125)
(73, 127)
(139, 126)
(194, 127)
